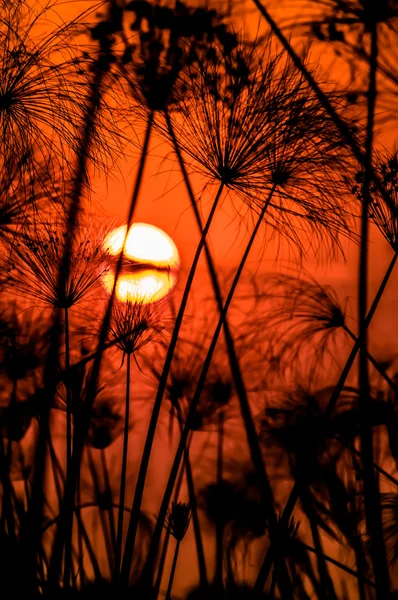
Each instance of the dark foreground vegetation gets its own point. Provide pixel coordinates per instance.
(242, 445)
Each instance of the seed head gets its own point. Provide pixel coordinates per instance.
(161, 42)
(37, 260)
(250, 122)
(134, 324)
(177, 521)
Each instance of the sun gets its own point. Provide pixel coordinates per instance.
(150, 265)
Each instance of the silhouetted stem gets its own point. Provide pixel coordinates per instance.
(338, 564)
(119, 538)
(7, 510)
(84, 361)
(218, 577)
(65, 526)
(173, 570)
(268, 500)
(294, 494)
(102, 340)
(162, 561)
(377, 467)
(108, 491)
(195, 522)
(139, 490)
(370, 484)
(236, 372)
(80, 542)
(69, 522)
(195, 517)
(350, 361)
(30, 538)
(83, 420)
(109, 545)
(90, 550)
(7, 504)
(166, 542)
(12, 407)
(373, 361)
(324, 576)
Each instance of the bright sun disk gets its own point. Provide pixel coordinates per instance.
(154, 263)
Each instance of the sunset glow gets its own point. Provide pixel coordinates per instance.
(198, 294)
(154, 257)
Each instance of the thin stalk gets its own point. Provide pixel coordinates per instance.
(294, 494)
(324, 576)
(373, 361)
(65, 525)
(69, 525)
(166, 542)
(80, 543)
(109, 545)
(90, 550)
(195, 517)
(370, 485)
(268, 500)
(12, 406)
(108, 491)
(361, 561)
(338, 564)
(139, 490)
(203, 582)
(84, 361)
(83, 422)
(218, 577)
(58, 473)
(342, 126)
(236, 371)
(173, 570)
(102, 341)
(7, 509)
(377, 467)
(123, 475)
(5, 469)
(162, 561)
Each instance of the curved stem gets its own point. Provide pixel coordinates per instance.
(68, 517)
(108, 491)
(218, 577)
(7, 520)
(373, 361)
(173, 570)
(119, 538)
(139, 490)
(338, 564)
(109, 547)
(370, 484)
(166, 542)
(195, 517)
(324, 576)
(377, 467)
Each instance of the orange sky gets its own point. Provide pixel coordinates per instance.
(164, 203)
